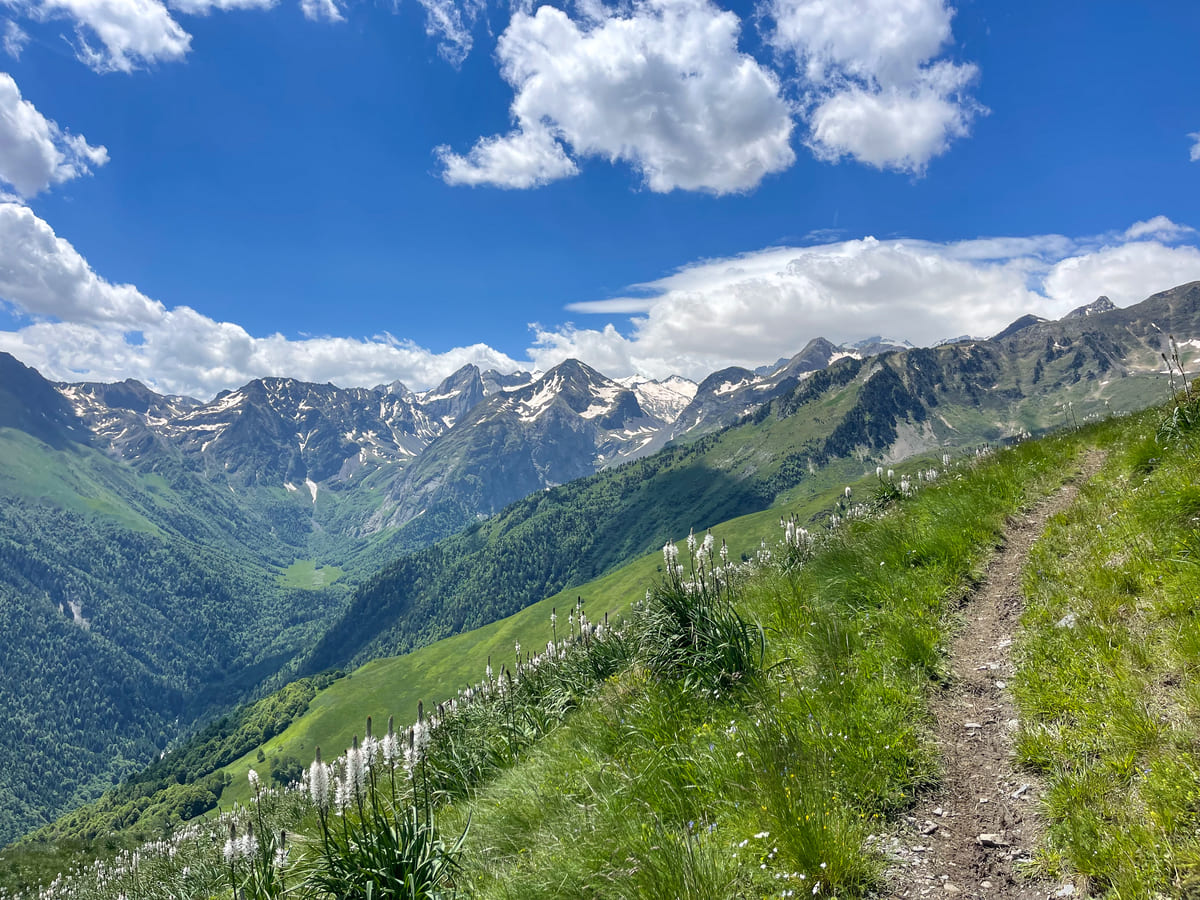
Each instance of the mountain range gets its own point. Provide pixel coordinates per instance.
(425, 464)
(166, 557)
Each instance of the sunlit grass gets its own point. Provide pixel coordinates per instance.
(1106, 664)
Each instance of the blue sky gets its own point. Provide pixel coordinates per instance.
(198, 192)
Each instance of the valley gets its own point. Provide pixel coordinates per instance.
(170, 559)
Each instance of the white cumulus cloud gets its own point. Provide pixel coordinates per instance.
(34, 152)
(874, 87)
(45, 276)
(131, 33)
(659, 85)
(1194, 156)
(895, 127)
(1158, 227)
(523, 159)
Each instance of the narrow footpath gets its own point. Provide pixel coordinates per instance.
(971, 836)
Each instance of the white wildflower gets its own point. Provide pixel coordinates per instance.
(318, 783)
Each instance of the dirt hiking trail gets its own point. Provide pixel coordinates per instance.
(969, 837)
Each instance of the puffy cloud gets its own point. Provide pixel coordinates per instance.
(1126, 273)
(132, 33)
(15, 39)
(85, 327)
(1194, 156)
(189, 353)
(895, 127)
(884, 40)
(1158, 227)
(45, 276)
(34, 152)
(660, 86)
(523, 159)
(873, 88)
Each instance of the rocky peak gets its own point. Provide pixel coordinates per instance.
(1100, 305)
(455, 396)
(1019, 325)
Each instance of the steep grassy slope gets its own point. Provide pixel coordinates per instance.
(658, 764)
(393, 685)
(1107, 685)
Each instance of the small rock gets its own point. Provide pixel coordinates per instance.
(1067, 890)
(939, 812)
(985, 884)
(1067, 621)
(992, 840)
(1001, 685)
(929, 828)
(971, 725)
(951, 888)
(1020, 791)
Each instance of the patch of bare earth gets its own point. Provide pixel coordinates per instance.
(970, 837)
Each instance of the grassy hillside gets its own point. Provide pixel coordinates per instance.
(393, 685)
(1107, 686)
(637, 764)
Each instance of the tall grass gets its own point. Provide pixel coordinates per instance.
(1111, 648)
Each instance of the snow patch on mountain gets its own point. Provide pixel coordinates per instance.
(664, 399)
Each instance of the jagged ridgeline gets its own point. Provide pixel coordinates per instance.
(170, 557)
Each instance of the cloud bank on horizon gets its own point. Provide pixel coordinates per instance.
(745, 310)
